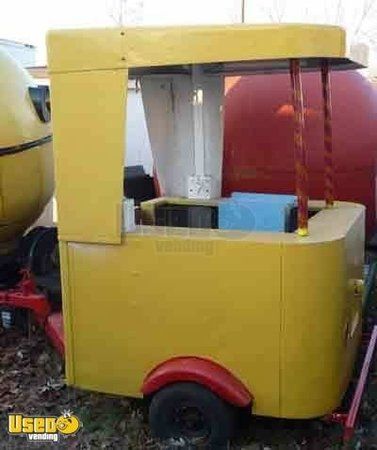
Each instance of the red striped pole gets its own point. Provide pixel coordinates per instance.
(329, 165)
(299, 149)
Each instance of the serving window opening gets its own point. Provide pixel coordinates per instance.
(183, 108)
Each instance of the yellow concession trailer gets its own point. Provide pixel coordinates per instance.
(199, 319)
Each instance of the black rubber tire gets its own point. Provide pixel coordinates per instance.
(27, 242)
(217, 416)
(38, 248)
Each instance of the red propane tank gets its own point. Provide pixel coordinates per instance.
(258, 142)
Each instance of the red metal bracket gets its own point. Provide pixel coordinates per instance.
(349, 426)
(348, 420)
(55, 331)
(25, 296)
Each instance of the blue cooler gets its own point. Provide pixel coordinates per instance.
(255, 212)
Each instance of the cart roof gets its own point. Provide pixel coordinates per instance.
(231, 49)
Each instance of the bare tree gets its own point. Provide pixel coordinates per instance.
(276, 10)
(367, 9)
(364, 29)
(366, 26)
(124, 12)
(339, 12)
(118, 11)
(279, 7)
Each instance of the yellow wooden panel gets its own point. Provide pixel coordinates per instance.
(312, 324)
(157, 296)
(89, 141)
(231, 43)
(75, 49)
(317, 355)
(271, 307)
(72, 50)
(354, 245)
(67, 313)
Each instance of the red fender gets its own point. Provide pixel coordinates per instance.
(201, 371)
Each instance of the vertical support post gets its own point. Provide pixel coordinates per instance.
(299, 148)
(243, 7)
(198, 119)
(328, 143)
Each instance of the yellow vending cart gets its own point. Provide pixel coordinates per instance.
(192, 309)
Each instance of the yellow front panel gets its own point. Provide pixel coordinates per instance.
(89, 142)
(154, 297)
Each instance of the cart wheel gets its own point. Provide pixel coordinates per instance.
(191, 412)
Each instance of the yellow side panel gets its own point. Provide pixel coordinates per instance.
(156, 297)
(318, 309)
(71, 50)
(67, 314)
(354, 244)
(89, 143)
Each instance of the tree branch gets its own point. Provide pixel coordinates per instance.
(339, 12)
(118, 12)
(367, 9)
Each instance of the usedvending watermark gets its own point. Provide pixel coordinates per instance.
(43, 428)
(185, 246)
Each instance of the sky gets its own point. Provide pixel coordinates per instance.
(29, 20)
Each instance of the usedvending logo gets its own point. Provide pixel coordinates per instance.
(43, 428)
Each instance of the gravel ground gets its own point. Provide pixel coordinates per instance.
(32, 382)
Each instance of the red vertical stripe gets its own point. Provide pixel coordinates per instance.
(329, 165)
(299, 148)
